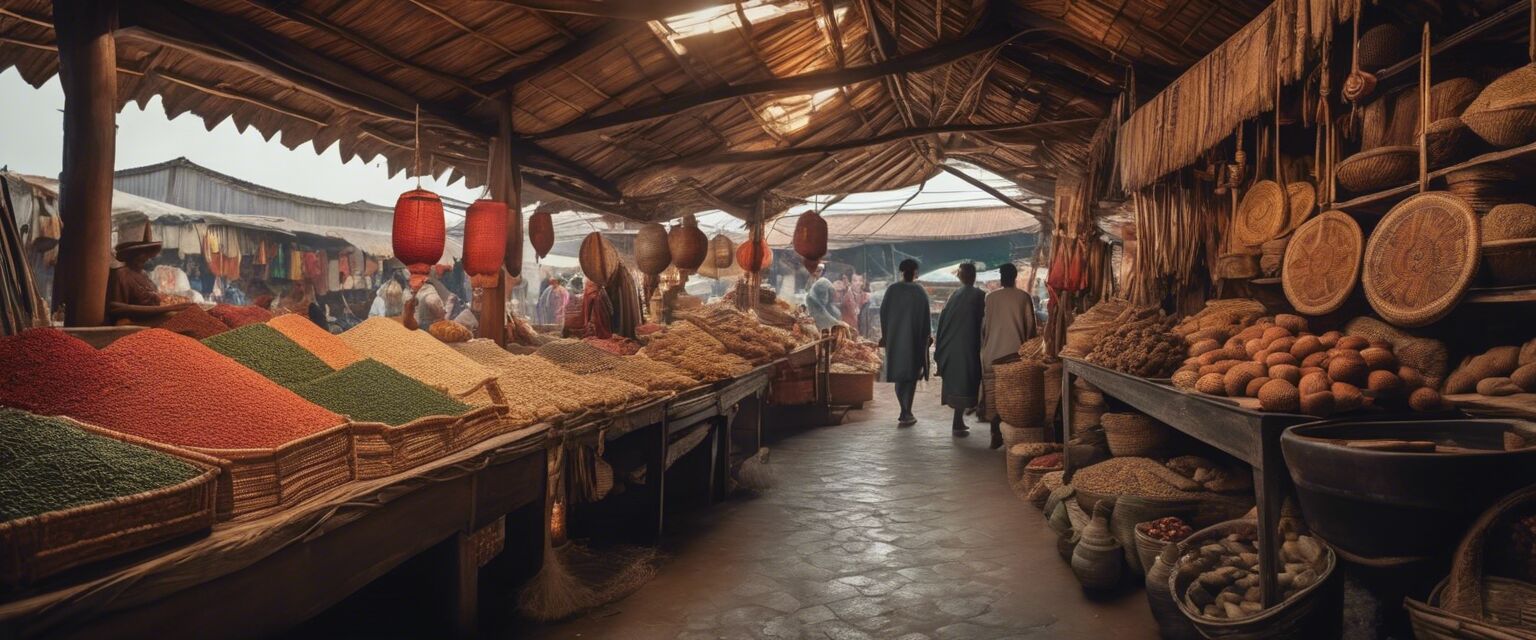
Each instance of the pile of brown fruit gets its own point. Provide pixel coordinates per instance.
(1291, 370)
(1143, 348)
(1499, 371)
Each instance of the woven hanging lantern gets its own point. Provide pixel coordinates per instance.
(687, 244)
(541, 233)
(485, 241)
(811, 239)
(722, 251)
(599, 260)
(652, 251)
(419, 233)
(754, 263)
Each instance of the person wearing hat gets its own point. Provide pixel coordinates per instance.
(132, 297)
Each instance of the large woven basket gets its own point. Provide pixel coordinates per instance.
(1485, 187)
(1018, 456)
(1448, 141)
(1020, 435)
(380, 450)
(39, 546)
(1021, 393)
(1134, 434)
(1052, 392)
(1035, 475)
(1380, 47)
(1379, 168)
(1297, 617)
(263, 479)
(1468, 605)
(1420, 259)
(1260, 216)
(988, 407)
(1509, 255)
(1504, 113)
(1131, 511)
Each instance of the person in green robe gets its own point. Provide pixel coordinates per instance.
(959, 346)
(906, 333)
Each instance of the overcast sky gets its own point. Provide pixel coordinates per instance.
(31, 141)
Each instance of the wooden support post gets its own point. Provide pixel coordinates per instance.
(655, 490)
(88, 73)
(465, 585)
(504, 186)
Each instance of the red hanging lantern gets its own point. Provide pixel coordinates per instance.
(541, 233)
(485, 241)
(419, 233)
(811, 239)
(754, 256)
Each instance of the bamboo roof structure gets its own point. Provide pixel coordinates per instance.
(649, 109)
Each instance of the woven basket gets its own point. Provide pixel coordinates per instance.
(1134, 434)
(488, 541)
(850, 388)
(1429, 231)
(1260, 216)
(262, 479)
(380, 450)
(1052, 392)
(1017, 457)
(1381, 47)
(1297, 617)
(1034, 476)
(1448, 141)
(1086, 393)
(1504, 113)
(1020, 435)
(1377, 169)
(1485, 187)
(988, 408)
(1131, 511)
(1468, 605)
(1021, 393)
(42, 545)
(1237, 266)
(1148, 548)
(1085, 416)
(1509, 259)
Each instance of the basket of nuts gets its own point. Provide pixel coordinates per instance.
(1216, 583)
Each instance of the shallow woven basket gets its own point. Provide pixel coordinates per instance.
(262, 479)
(1420, 259)
(1485, 187)
(1508, 261)
(1260, 216)
(380, 450)
(1237, 266)
(1133, 434)
(45, 544)
(1292, 618)
(1379, 168)
(1504, 113)
(1468, 605)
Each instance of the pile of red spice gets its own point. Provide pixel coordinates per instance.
(157, 385)
(235, 317)
(50, 372)
(195, 323)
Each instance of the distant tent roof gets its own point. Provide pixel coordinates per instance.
(853, 229)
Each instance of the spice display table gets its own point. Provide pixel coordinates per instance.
(259, 576)
(1246, 434)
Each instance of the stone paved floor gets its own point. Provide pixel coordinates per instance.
(871, 532)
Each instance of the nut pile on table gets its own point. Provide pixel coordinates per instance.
(1142, 347)
(1223, 574)
(1292, 370)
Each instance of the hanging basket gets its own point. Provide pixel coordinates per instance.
(687, 244)
(1469, 605)
(652, 253)
(541, 233)
(599, 260)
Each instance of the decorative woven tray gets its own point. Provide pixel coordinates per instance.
(1322, 263)
(1421, 259)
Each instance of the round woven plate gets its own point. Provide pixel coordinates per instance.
(1421, 258)
(1261, 215)
(1301, 201)
(1322, 263)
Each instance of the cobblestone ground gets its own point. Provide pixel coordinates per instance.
(871, 532)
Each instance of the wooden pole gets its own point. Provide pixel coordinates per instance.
(493, 300)
(88, 73)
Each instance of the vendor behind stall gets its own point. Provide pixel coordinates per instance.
(819, 302)
(132, 297)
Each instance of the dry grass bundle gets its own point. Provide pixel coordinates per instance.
(1176, 225)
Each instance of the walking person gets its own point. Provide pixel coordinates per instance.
(1009, 320)
(959, 347)
(905, 332)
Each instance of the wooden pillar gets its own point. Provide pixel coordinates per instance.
(88, 73)
(505, 185)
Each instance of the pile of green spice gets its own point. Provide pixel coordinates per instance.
(47, 464)
(270, 353)
(371, 391)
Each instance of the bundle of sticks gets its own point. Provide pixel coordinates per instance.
(1177, 224)
(20, 306)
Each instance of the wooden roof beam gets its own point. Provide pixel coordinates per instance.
(294, 13)
(189, 28)
(639, 10)
(803, 83)
(732, 157)
(1043, 217)
(603, 36)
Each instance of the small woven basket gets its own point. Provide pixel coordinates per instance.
(1380, 47)
(1504, 113)
(1379, 168)
(1133, 434)
(1148, 548)
(1021, 393)
(1468, 605)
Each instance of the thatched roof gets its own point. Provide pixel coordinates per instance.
(642, 109)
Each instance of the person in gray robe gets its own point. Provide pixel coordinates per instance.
(1009, 320)
(906, 333)
(958, 353)
(819, 303)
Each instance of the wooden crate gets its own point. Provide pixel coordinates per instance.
(851, 389)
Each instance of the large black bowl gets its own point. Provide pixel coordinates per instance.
(1380, 504)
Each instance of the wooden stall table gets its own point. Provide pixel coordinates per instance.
(1245, 433)
(260, 576)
